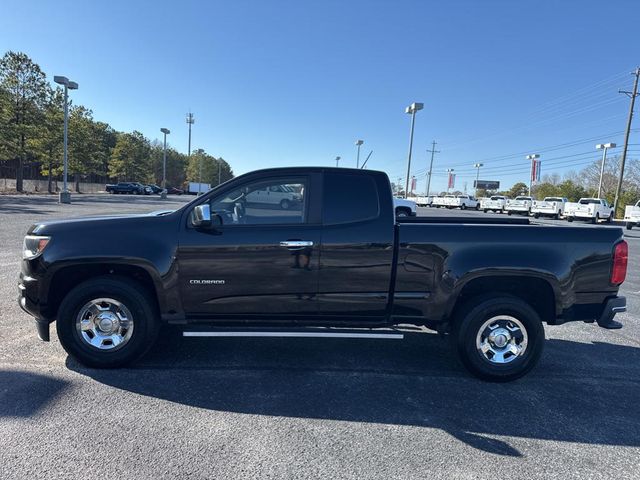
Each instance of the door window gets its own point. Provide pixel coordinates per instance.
(279, 201)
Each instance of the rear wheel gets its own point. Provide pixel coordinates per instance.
(284, 204)
(596, 219)
(569, 219)
(536, 215)
(107, 322)
(498, 338)
(629, 225)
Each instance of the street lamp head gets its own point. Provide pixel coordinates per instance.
(600, 146)
(72, 85)
(190, 118)
(359, 142)
(338, 158)
(533, 157)
(166, 131)
(59, 79)
(478, 165)
(450, 169)
(414, 107)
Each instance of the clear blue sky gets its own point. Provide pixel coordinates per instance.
(296, 83)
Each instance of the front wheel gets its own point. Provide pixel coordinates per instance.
(569, 219)
(629, 225)
(284, 204)
(463, 207)
(401, 212)
(498, 339)
(596, 219)
(107, 322)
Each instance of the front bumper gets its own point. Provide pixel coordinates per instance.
(28, 299)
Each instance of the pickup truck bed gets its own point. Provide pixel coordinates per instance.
(337, 259)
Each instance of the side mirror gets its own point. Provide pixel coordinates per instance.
(201, 216)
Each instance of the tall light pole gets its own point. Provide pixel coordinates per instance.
(191, 121)
(358, 144)
(533, 157)
(605, 147)
(477, 165)
(337, 161)
(411, 109)
(166, 131)
(65, 195)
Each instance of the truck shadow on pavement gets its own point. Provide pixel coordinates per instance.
(23, 394)
(581, 392)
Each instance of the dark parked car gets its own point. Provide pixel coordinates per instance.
(342, 265)
(125, 187)
(155, 188)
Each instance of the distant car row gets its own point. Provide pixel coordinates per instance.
(135, 188)
(586, 209)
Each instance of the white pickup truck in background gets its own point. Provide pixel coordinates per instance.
(521, 204)
(632, 215)
(421, 200)
(495, 203)
(404, 207)
(463, 202)
(549, 207)
(593, 209)
(438, 202)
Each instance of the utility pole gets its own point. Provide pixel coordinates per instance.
(190, 121)
(633, 96)
(433, 151)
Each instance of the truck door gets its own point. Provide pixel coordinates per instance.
(356, 259)
(262, 261)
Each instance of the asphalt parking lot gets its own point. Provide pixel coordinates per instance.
(309, 408)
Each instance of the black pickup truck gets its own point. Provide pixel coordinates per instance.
(125, 187)
(338, 263)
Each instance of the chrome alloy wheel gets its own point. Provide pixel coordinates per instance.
(502, 339)
(105, 324)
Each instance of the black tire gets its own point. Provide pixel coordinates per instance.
(610, 218)
(463, 207)
(284, 204)
(629, 225)
(536, 215)
(402, 212)
(131, 294)
(484, 210)
(596, 219)
(569, 219)
(468, 323)
(509, 212)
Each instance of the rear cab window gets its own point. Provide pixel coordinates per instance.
(349, 198)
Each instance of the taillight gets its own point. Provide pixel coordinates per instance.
(620, 258)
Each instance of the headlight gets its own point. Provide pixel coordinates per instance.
(33, 246)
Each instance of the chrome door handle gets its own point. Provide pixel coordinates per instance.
(296, 244)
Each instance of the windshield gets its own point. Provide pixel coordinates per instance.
(497, 197)
(523, 198)
(553, 199)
